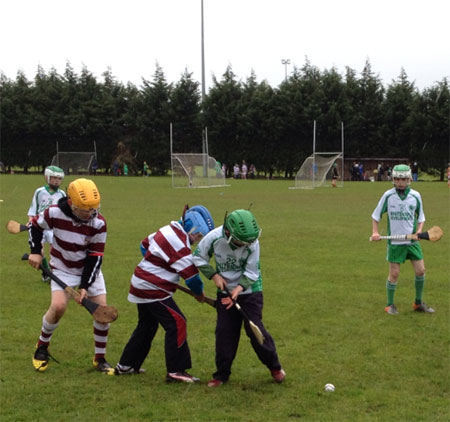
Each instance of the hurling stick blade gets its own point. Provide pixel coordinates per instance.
(434, 234)
(14, 227)
(101, 314)
(209, 300)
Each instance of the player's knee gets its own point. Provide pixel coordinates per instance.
(58, 309)
(420, 272)
(393, 275)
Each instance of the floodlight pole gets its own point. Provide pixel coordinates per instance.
(285, 62)
(314, 155)
(342, 147)
(204, 139)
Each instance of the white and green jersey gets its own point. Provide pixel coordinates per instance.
(231, 263)
(43, 198)
(403, 214)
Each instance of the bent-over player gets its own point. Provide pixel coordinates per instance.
(167, 257)
(43, 197)
(79, 236)
(404, 209)
(235, 247)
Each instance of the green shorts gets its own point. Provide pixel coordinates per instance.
(400, 253)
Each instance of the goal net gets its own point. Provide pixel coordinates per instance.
(196, 171)
(74, 162)
(317, 170)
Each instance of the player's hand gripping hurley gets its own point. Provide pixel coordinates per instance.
(433, 235)
(102, 314)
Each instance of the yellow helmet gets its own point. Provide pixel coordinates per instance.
(84, 194)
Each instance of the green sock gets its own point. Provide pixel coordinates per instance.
(45, 263)
(390, 291)
(419, 282)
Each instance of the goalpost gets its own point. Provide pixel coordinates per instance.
(190, 170)
(317, 169)
(74, 162)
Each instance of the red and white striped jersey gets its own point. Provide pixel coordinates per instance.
(168, 258)
(72, 240)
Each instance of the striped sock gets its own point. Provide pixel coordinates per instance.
(390, 292)
(419, 282)
(46, 332)
(100, 338)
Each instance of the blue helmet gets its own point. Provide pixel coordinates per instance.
(198, 220)
(203, 211)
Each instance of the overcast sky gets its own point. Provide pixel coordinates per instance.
(130, 36)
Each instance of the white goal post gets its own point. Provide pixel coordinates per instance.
(191, 170)
(320, 168)
(74, 162)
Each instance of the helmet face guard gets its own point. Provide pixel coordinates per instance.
(53, 171)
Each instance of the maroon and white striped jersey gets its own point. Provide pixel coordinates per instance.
(168, 258)
(73, 240)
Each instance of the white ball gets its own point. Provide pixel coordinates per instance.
(329, 387)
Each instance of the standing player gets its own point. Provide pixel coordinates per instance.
(334, 175)
(167, 257)
(44, 197)
(404, 209)
(235, 247)
(448, 175)
(76, 257)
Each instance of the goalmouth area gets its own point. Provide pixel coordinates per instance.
(320, 168)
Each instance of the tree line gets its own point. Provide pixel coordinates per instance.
(270, 127)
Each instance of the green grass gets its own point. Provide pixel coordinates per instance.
(324, 287)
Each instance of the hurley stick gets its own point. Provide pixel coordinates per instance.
(433, 235)
(102, 314)
(209, 300)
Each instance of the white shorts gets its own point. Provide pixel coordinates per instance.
(98, 287)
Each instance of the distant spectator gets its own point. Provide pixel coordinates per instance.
(236, 171)
(218, 169)
(334, 175)
(224, 169)
(415, 171)
(355, 171)
(448, 175)
(125, 169)
(244, 170)
(145, 169)
(361, 172)
(252, 171)
(94, 166)
(115, 168)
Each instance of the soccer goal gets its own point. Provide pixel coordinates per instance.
(190, 170)
(74, 162)
(320, 168)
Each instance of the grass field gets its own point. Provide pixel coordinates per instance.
(324, 287)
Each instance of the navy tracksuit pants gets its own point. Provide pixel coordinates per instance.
(168, 314)
(228, 332)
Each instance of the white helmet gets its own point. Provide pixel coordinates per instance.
(53, 171)
(401, 171)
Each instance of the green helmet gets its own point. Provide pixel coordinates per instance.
(242, 227)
